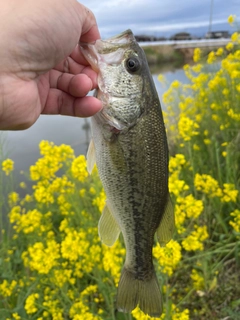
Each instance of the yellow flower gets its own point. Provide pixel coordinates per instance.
(194, 241)
(30, 305)
(196, 147)
(22, 185)
(43, 194)
(79, 168)
(176, 162)
(198, 280)
(113, 259)
(74, 245)
(229, 46)
(92, 190)
(161, 78)
(219, 52)
(229, 193)
(197, 55)
(238, 87)
(168, 257)
(100, 201)
(63, 276)
(187, 128)
(235, 36)
(175, 84)
(211, 57)
(42, 258)
(191, 206)
(80, 309)
(7, 166)
(16, 316)
(176, 314)
(231, 19)
(207, 141)
(6, 288)
(13, 198)
(236, 220)
(207, 184)
(82, 192)
(53, 309)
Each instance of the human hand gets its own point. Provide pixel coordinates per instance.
(41, 67)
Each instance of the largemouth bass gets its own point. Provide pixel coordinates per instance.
(130, 149)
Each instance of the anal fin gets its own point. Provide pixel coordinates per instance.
(166, 227)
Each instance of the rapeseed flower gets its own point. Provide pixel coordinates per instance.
(177, 162)
(231, 19)
(211, 57)
(16, 316)
(53, 308)
(42, 258)
(113, 260)
(175, 313)
(194, 241)
(30, 304)
(79, 168)
(198, 280)
(13, 198)
(229, 193)
(197, 55)
(208, 185)
(100, 201)
(235, 223)
(28, 222)
(219, 52)
(74, 245)
(42, 193)
(7, 166)
(187, 128)
(229, 46)
(7, 288)
(168, 257)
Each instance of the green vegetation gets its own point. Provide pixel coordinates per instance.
(52, 264)
(159, 55)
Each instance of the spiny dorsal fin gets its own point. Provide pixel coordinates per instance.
(91, 157)
(108, 228)
(166, 227)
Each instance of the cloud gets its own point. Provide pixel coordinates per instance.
(160, 17)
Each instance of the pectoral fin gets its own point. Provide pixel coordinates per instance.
(108, 228)
(166, 227)
(91, 157)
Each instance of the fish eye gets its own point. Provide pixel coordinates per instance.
(133, 64)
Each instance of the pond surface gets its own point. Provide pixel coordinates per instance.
(22, 146)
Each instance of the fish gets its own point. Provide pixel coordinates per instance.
(129, 146)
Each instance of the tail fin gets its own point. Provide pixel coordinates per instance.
(132, 292)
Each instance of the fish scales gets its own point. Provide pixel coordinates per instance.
(131, 153)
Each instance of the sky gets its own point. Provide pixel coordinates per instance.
(162, 17)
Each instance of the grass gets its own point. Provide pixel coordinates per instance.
(160, 55)
(52, 263)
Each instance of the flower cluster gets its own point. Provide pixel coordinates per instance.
(7, 166)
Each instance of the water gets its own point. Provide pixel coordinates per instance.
(22, 146)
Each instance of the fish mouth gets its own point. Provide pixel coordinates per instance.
(109, 51)
(124, 37)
